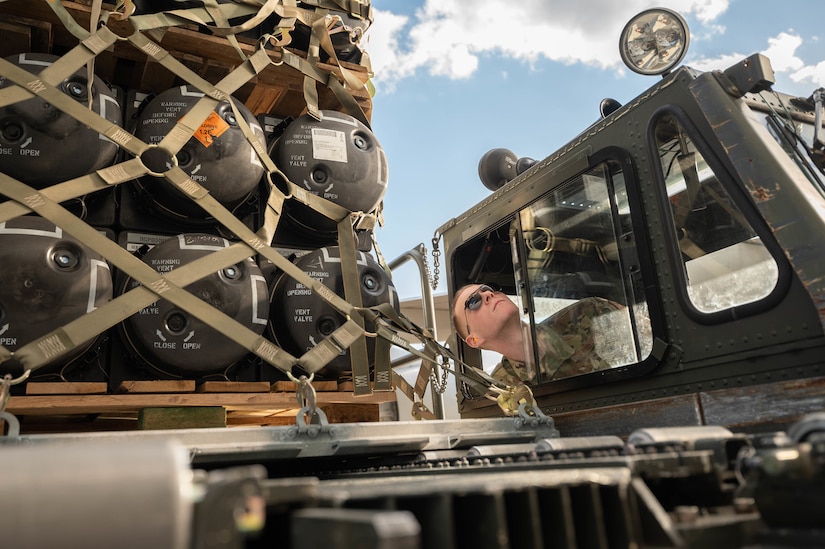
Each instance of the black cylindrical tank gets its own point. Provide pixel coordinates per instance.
(49, 279)
(41, 145)
(337, 158)
(176, 342)
(218, 156)
(300, 318)
(345, 34)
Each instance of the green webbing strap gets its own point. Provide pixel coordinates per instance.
(347, 100)
(192, 120)
(222, 22)
(67, 20)
(320, 29)
(330, 80)
(231, 10)
(257, 146)
(320, 204)
(403, 386)
(423, 335)
(423, 377)
(313, 57)
(383, 330)
(359, 359)
(311, 97)
(94, 19)
(187, 125)
(272, 211)
(387, 311)
(331, 346)
(53, 75)
(383, 367)
(93, 182)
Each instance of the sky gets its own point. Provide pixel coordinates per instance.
(456, 78)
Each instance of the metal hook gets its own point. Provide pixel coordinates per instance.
(305, 392)
(5, 387)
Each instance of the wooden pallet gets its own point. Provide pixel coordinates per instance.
(31, 26)
(162, 405)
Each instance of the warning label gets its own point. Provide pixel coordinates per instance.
(211, 129)
(329, 145)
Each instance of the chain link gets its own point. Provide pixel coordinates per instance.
(440, 386)
(436, 263)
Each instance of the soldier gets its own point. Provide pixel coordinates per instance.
(487, 319)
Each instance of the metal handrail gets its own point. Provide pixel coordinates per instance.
(418, 254)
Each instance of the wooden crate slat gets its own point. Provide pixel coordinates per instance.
(66, 388)
(157, 386)
(98, 404)
(233, 387)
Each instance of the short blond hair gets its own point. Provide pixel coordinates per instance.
(459, 329)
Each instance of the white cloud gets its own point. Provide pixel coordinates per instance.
(781, 51)
(814, 74)
(381, 43)
(446, 38)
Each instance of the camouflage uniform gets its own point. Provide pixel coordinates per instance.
(565, 342)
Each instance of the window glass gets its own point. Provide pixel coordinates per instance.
(796, 139)
(725, 263)
(588, 309)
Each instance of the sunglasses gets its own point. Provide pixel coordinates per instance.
(474, 300)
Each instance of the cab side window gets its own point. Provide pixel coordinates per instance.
(578, 278)
(725, 264)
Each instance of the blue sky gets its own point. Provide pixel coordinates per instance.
(456, 78)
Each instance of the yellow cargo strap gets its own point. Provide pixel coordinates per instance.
(359, 360)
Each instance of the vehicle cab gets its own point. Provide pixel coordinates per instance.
(696, 212)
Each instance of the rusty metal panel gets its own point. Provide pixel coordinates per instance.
(622, 419)
(773, 405)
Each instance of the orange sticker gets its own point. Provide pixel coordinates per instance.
(211, 129)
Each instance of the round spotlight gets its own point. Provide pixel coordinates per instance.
(654, 41)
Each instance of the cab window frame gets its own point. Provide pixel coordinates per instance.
(742, 201)
(643, 269)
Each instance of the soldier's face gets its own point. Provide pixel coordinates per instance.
(485, 311)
